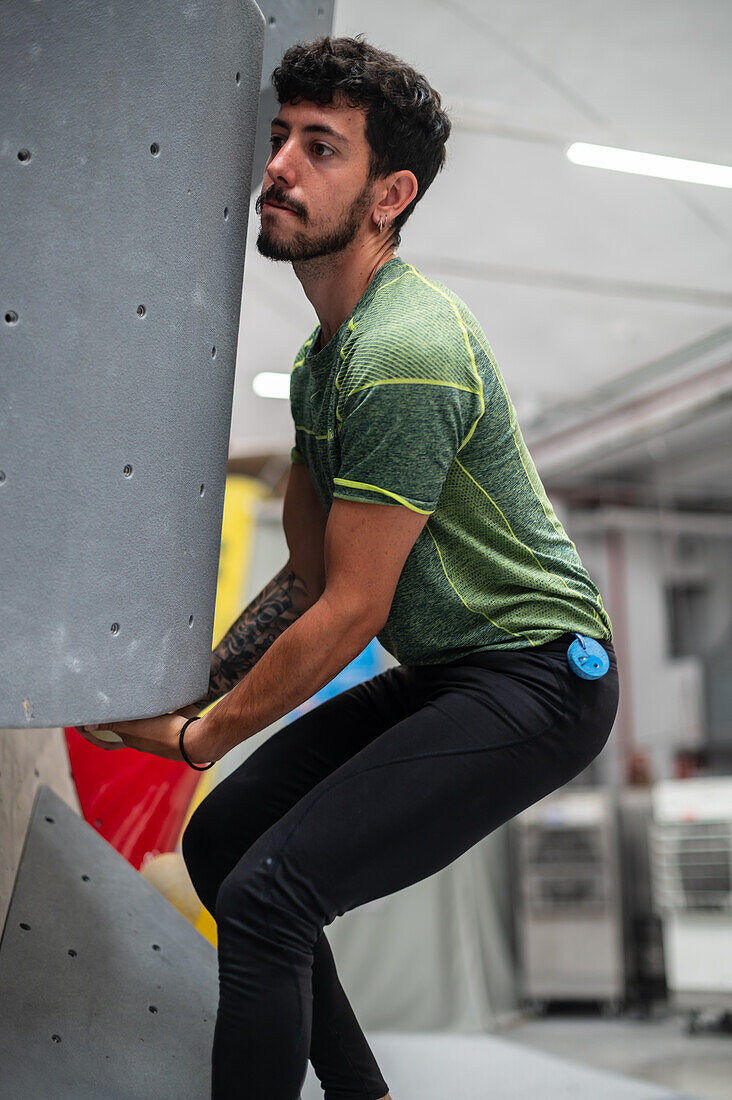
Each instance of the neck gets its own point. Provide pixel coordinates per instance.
(334, 284)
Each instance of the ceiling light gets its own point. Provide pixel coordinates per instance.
(650, 164)
(271, 384)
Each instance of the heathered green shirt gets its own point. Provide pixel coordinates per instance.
(406, 406)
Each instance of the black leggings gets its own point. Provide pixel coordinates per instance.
(374, 790)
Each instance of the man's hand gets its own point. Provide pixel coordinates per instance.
(158, 736)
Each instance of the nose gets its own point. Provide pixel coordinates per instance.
(281, 165)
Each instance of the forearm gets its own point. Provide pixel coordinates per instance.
(270, 613)
(296, 665)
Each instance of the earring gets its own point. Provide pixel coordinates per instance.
(382, 223)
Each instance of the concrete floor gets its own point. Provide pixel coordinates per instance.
(658, 1049)
(541, 1062)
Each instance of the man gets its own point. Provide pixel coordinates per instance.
(413, 512)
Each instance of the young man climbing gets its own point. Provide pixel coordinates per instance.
(413, 512)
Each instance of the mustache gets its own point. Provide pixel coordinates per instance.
(276, 194)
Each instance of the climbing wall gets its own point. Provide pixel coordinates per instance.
(125, 168)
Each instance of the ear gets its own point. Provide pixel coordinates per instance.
(401, 189)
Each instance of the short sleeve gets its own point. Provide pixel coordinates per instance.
(398, 440)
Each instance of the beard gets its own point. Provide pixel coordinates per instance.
(299, 247)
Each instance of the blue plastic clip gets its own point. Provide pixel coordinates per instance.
(587, 658)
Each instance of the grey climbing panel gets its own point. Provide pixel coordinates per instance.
(127, 137)
(106, 991)
(287, 22)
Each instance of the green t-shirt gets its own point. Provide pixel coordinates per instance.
(406, 406)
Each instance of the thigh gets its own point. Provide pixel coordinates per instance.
(287, 765)
(481, 748)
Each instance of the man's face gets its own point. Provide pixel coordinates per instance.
(316, 193)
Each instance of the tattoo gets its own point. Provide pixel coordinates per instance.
(269, 614)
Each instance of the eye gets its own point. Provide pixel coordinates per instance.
(322, 150)
(274, 142)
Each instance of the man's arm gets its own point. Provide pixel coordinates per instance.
(291, 592)
(365, 548)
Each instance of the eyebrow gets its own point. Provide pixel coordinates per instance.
(314, 128)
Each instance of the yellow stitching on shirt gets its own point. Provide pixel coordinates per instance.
(464, 330)
(301, 428)
(395, 280)
(512, 420)
(300, 362)
(473, 609)
(513, 535)
(410, 382)
(378, 489)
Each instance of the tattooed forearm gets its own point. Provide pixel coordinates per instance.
(282, 601)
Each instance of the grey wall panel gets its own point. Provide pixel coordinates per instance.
(287, 22)
(106, 991)
(126, 144)
(28, 759)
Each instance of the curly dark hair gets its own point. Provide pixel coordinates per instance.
(406, 127)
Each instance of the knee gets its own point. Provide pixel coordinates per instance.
(259, 900)
(244, 892)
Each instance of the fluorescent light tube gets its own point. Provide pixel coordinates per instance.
(271, 384)
(650, 164)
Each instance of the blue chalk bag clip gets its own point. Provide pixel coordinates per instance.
(587, 658)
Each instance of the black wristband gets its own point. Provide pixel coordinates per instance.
(198, 767)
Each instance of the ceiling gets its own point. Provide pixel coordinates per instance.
(582, 279)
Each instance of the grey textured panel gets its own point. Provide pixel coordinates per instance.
(126, 146)
(287, 22)
(479, 1067)
(88, 951)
